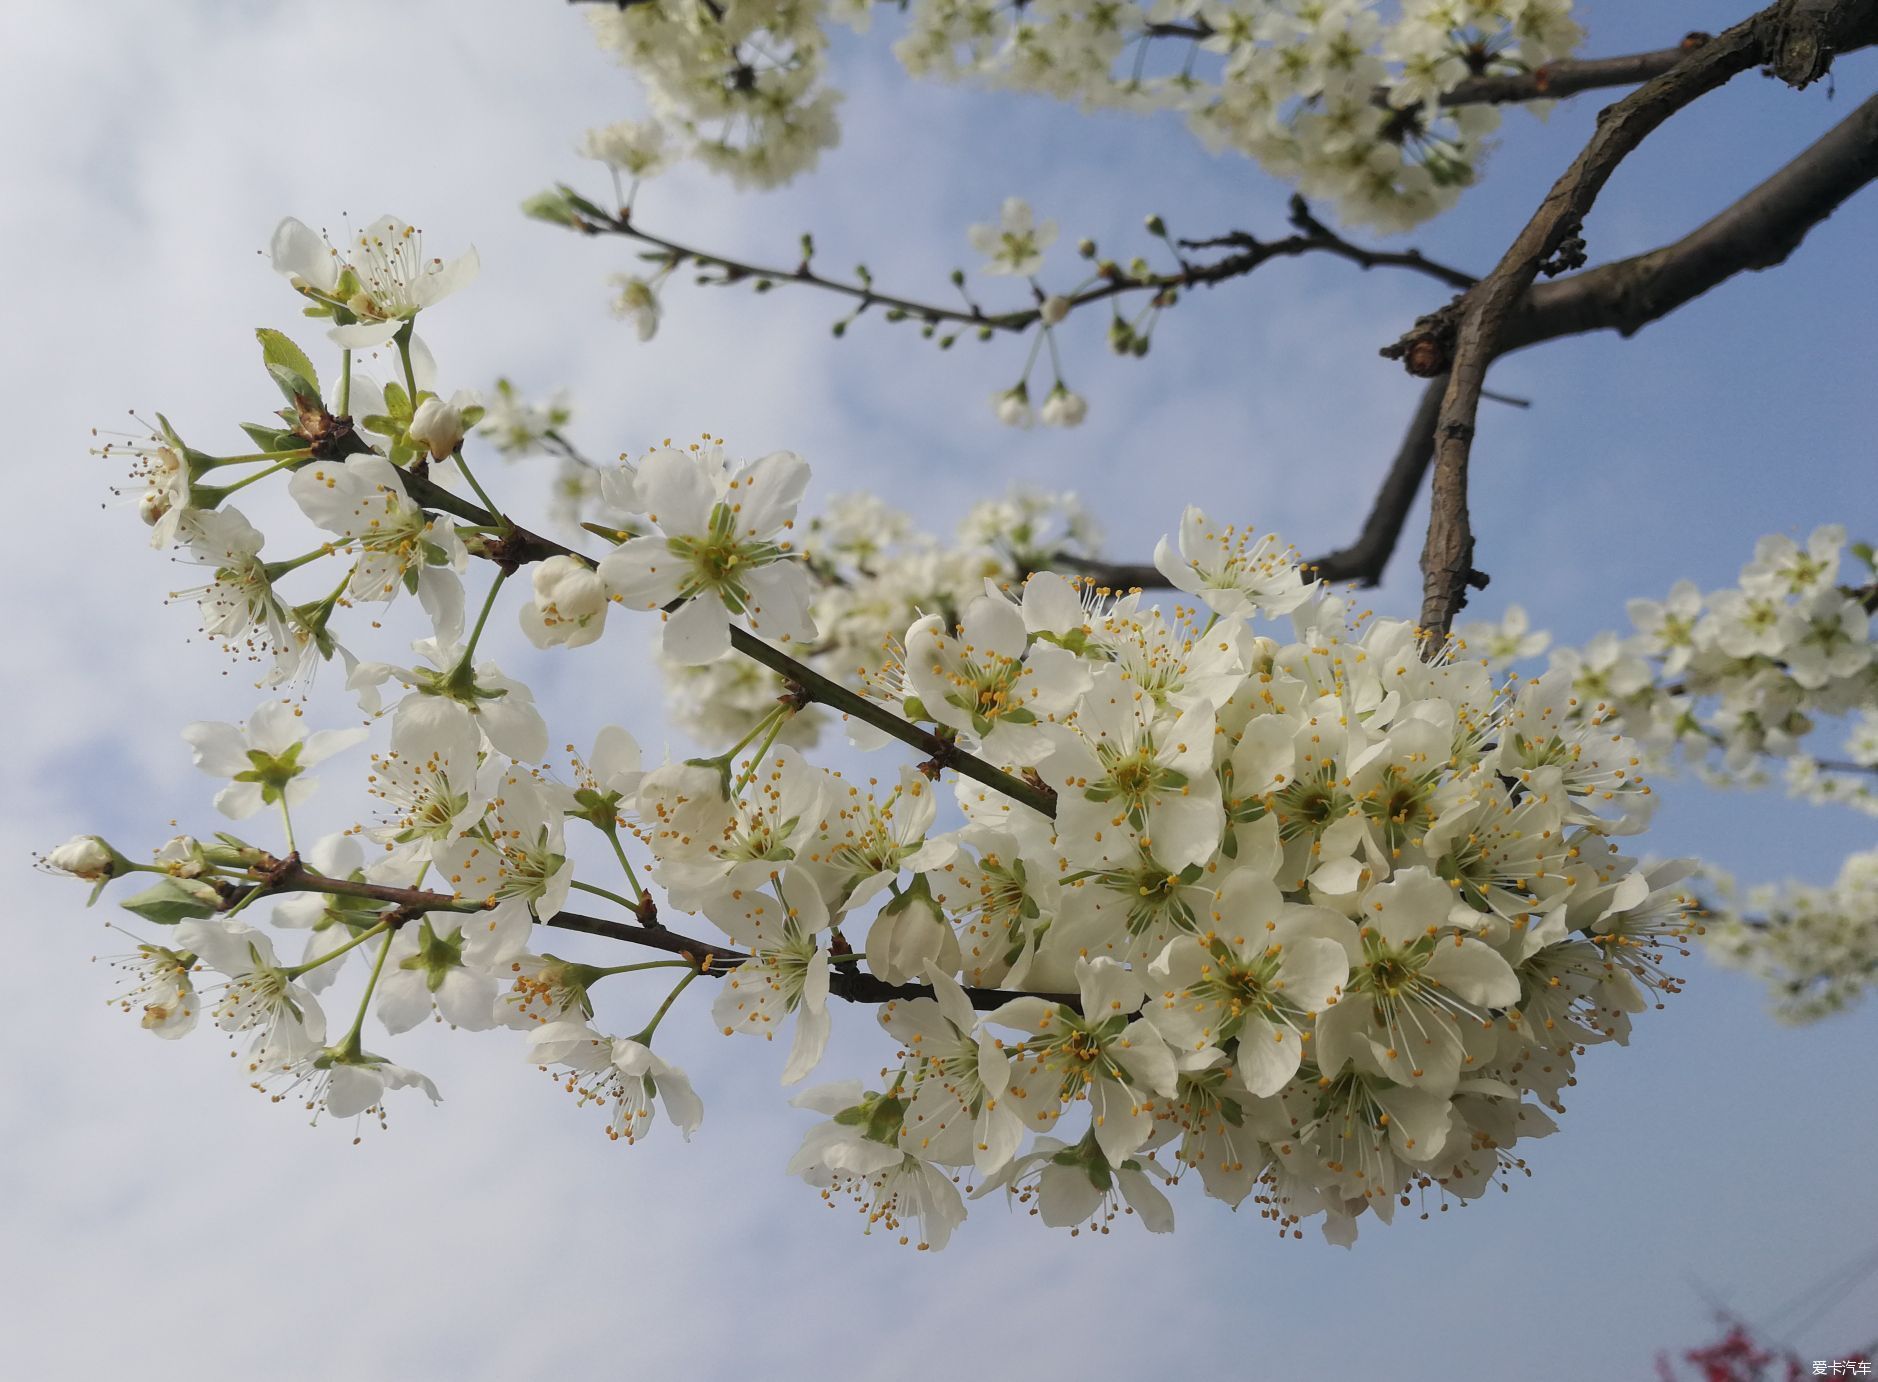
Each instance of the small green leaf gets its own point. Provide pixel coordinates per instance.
(293, 385)
(173, 900)
(276, 349)
(271, 438)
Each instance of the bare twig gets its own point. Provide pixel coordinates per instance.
(1250, 253)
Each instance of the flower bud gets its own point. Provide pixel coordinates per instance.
(569, 606)
(85, 856)
(439, 427)
(1054, 309)
(1013, 406)
(1063, 408)
(909, 934)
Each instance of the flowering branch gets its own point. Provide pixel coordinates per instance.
(289, 875)
(518, 547)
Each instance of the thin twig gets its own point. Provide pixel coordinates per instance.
(1312, 237)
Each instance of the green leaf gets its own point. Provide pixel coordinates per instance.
(271, 438)
(276, 349)
(554, 207)
(173, 900)
(292, 384)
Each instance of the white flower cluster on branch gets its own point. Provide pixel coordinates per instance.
(1321, 916)
(1815, 948)
(1731, 683)
(1346, 98)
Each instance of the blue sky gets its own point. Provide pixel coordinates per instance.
(166, 1221)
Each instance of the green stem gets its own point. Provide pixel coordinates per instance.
(755, 729)
(297, 970)
(488, 503)
(602, 892)
(619, 852)
(403, 338)
(644, 1038)
(345, 383)
(645, 964)
(276, 569)
(247, 897)
(297, 453)
(756, 759)
(247, 480)
(1030, 360)
(349, 1044)
(462, 668)
(286, 819)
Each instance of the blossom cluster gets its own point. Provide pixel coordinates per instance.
(1729, 683)
(1343, 97)
(1736, 676)
(1320, 916)
(1816, 948)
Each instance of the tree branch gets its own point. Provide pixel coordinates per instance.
(1363, 560)
(1797, 38)
(1757, 232)
(291, 876)
(1570, 76)
(1312, 237)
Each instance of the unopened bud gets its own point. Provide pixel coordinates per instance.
(87, 857)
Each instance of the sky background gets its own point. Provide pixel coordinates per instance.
(162, 1221)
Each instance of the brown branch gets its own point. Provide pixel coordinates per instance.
(1570, 76)
(1795, 37)
(1312, 237)
(1363, 560)
(1758, 231)
(290, 876)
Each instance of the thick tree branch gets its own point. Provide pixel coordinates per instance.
(1797, 39)
(290, 876)
(1757, 232)
(1570, 76)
